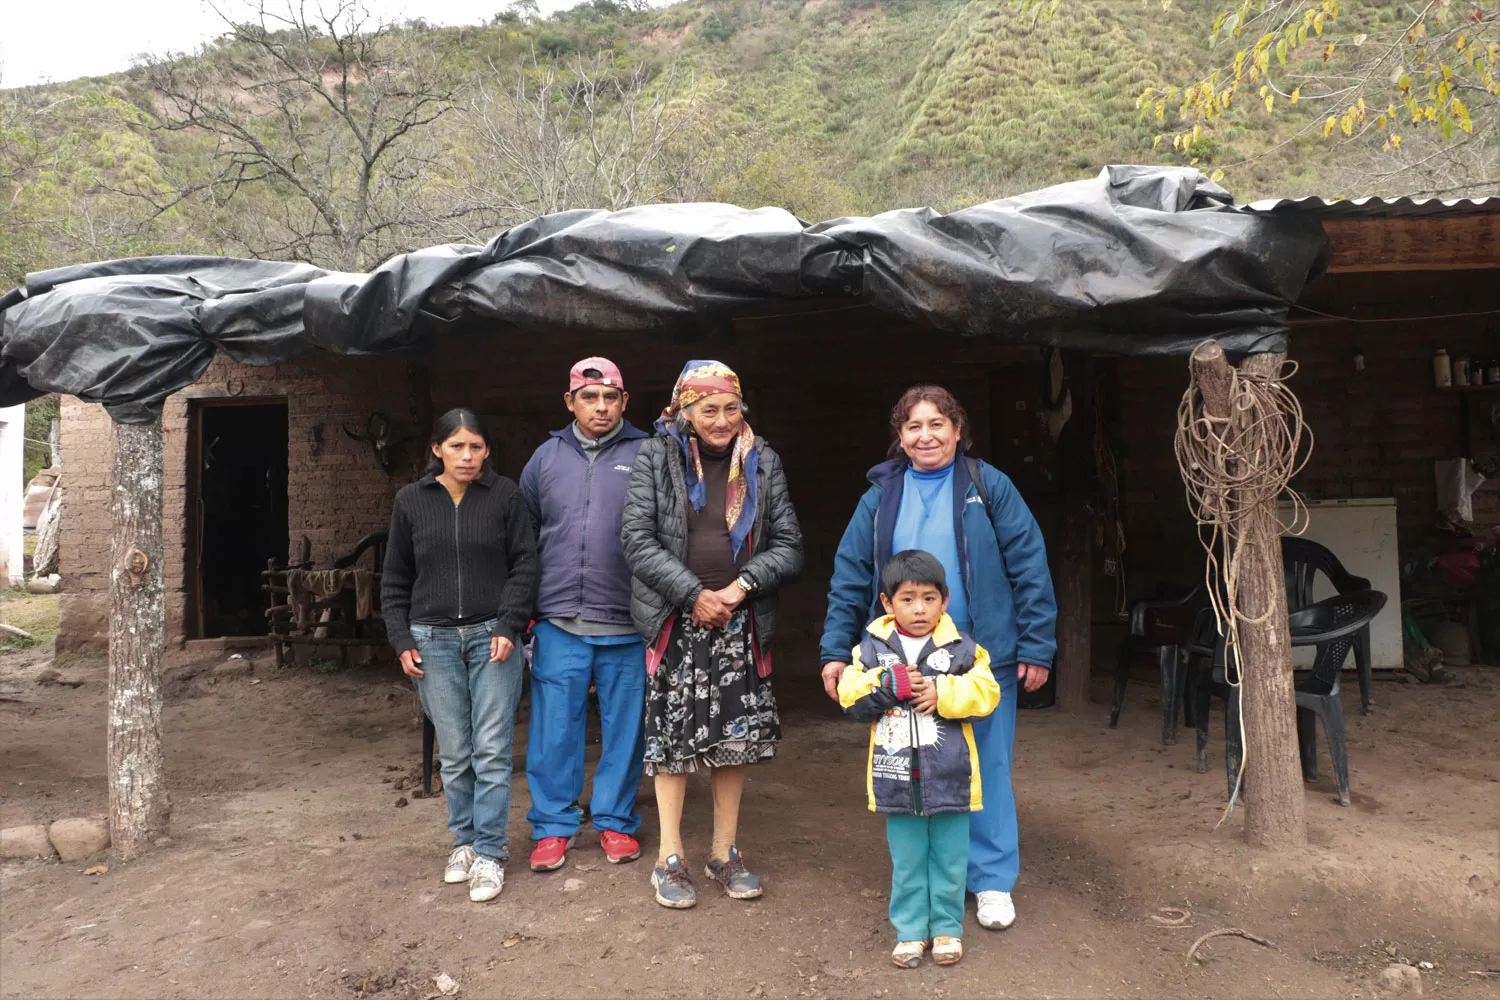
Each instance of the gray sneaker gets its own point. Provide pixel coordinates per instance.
(673, 884)
(734, 876)
(459, 863)
(486, 879)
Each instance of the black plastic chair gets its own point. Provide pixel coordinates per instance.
(1330, 625)
(1334, 626)
(1161, 628)
(1304, 560)
(1204, 656)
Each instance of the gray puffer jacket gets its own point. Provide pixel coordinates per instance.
(654, 535)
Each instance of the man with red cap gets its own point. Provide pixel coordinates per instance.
(575, 486)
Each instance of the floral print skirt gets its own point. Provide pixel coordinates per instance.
(706, 705)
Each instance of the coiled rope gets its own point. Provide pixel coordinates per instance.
(1233, 466)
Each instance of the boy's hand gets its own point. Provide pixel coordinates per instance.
(924, 698)
(914, 674)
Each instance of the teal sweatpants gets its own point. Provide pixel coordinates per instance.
(929, 859)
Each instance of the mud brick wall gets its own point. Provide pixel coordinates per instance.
(1377, 433)
(820, 390)
(336, 492)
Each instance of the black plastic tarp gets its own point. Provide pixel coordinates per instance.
(1139, 260)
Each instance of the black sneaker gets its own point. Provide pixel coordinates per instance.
(734, 876)
(673, 884)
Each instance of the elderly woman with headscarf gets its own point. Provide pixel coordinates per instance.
(710, 535)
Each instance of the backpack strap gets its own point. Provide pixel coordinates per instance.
(975, 478)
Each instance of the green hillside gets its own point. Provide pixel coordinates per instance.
(825, 107)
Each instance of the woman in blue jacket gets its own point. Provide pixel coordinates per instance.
(967, 513)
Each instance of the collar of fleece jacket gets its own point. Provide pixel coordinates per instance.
(945, 634)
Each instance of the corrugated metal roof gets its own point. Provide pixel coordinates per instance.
(1376, 207)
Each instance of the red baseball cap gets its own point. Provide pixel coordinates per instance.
(595, 371)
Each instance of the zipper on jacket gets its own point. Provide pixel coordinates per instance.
(588, 492)
(916, 763)
(678, 474)
(458, 559)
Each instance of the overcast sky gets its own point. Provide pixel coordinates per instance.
(59, 40)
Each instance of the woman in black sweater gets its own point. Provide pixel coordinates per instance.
(457, 592)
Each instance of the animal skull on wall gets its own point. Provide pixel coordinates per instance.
(379, 435)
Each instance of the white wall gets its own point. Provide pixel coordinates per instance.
(12, 493)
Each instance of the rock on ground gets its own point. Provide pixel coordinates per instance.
(25, 842)
(78, 837)
(1398, 981)
(234, 668)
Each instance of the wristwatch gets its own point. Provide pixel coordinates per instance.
(745, 583)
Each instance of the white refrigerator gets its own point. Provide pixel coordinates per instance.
(1362, 533)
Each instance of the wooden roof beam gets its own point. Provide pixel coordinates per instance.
(1414, 243)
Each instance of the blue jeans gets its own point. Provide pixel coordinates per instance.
(562, 667)
(994, 839)
(472, 705)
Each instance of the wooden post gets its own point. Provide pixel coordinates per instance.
(1275, 807)
(139, 808)
(1074, 580)
(1278, 816)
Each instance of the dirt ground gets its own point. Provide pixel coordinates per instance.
(294, 873)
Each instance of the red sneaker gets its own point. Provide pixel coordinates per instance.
(551, 853)
(619, 847)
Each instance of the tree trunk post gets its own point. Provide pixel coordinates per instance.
(1275, 813)
(1074, 582)
(139, 807)
(1277, 817)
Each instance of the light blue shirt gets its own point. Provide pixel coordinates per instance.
(925, 522)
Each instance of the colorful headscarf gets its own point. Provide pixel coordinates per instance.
(698, 380)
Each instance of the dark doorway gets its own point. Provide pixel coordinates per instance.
(237, 493)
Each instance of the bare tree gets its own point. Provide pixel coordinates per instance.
(552, 137)
(321, 119)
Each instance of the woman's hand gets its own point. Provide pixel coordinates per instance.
(500, 648)
(709, 610)
(732, 596)
(1031, 676)
(832, 671)
(409, 660)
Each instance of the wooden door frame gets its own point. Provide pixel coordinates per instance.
(192, 528)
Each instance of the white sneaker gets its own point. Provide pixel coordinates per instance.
(996, 911)
(459, 863)
(486, 879)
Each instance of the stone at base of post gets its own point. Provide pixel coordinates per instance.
(139, 807)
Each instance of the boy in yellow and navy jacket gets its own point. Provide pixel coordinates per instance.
(917, 679)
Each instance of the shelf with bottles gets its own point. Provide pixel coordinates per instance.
(1463, 373)
(1485, 387)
